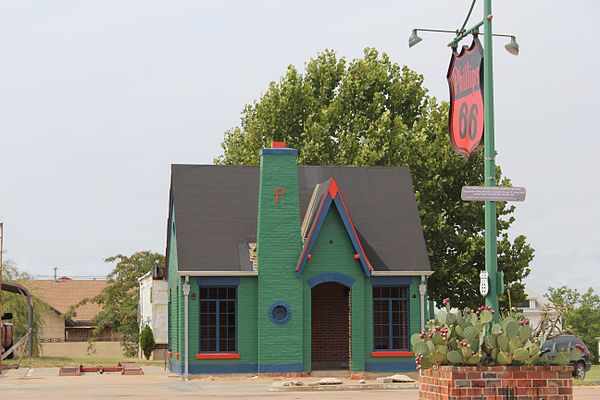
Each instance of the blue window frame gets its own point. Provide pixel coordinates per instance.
(218, 316)
(390, 318)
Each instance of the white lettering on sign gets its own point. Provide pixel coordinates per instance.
(492, 193)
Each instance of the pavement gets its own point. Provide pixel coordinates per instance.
(158, 384)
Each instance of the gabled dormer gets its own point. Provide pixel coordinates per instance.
(325, 196)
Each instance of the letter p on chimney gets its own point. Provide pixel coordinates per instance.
(279, 192)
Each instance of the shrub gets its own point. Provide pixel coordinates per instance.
(147, 341)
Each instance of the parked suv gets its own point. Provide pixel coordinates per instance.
(567, 343)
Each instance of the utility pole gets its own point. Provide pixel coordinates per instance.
(489, 154)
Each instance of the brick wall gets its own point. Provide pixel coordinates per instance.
(330, 326)
(279, 242)
(497, 382)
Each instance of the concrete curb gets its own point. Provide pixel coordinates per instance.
(345, 387)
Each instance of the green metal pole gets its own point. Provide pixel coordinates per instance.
(491, 256)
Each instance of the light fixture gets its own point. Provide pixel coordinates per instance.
(414, 38)
(513, 46)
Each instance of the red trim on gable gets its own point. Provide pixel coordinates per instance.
(312, 231)
(392, 354)
(217, 356)
(354, 230)
(332, 192)
(278, 145)
(333, 189)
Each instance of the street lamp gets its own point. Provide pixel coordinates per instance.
(512, 47)
(491, 257)
(414, 38)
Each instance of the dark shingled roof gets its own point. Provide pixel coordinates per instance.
(216, 209)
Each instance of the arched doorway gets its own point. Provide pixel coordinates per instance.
(330, 326)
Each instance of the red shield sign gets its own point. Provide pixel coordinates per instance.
(465, 78)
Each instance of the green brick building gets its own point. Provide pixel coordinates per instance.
(288, 269)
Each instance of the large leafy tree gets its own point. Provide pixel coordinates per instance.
(373, 112)
(120, 299)
(579, 313)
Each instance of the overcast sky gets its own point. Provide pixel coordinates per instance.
(98, 98)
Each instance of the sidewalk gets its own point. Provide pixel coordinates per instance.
(158, 384)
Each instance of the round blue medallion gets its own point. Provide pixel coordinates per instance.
(280, 313)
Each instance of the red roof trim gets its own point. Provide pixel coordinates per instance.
(362, 251)
(310, 235)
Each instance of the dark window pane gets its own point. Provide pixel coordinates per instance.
(403, 292)
(390, 318)
(217, 319)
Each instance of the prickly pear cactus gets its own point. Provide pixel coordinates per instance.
(471, 338)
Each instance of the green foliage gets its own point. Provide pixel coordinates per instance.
(580, 314)
(119, 300)
(147, 341)
(472, 339)
(17, 305)
(373, 112)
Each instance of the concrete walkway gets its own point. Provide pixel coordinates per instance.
(158, 384)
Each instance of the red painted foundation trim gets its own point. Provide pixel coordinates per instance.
(177, 356)
(392, 354)
(170, 354)
(216, 356)
(278, 145)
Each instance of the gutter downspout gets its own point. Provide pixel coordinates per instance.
(422, 292)
(186, 294)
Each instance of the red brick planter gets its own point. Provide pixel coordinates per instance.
(497, 383)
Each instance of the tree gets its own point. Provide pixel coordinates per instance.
(119, 300)
(17, 305)
(147, 341)
(579, 313)
(372, 112)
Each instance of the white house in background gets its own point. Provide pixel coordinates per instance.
(153, 309)
(533, 307)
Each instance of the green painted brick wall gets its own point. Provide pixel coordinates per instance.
(278, 248)
(336, 257)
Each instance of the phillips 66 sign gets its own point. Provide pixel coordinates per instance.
(465, 78)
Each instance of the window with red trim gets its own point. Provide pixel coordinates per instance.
(390, 318)
(218, 310)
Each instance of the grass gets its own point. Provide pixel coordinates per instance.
(41, 362)
(592, 377)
